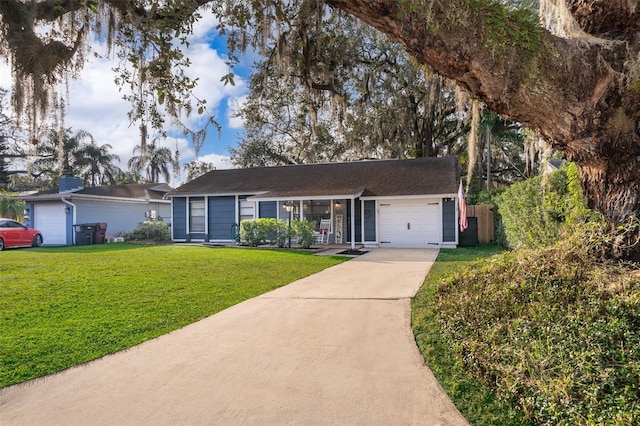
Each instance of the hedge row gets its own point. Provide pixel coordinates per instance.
(255, 232)
(536, 212)
(149, 231)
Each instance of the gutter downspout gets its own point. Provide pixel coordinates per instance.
(73, 209)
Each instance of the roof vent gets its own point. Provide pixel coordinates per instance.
(69, 183)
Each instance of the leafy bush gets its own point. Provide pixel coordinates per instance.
(252, 233)
(537, 212)
(255, 232)
(532, 215)
(482, 196)
(149, 231)
(305, 232)
(551, 331)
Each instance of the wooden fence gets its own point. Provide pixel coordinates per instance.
(486, 222)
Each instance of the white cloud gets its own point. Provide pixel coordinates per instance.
(234, 104)
(218, 161)
(96, 104)
(204, 28)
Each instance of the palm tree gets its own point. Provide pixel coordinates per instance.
(11, 208)
(56, 156)
(96, 163)
(79, 153)
(153, 159)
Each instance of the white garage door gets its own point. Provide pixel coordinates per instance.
(410, 223)
(51, 219)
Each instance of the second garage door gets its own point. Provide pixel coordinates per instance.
(413, 223)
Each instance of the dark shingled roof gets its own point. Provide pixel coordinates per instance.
(144, 191)
(420, 176)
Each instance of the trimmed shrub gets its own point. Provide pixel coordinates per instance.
(255, 232)
(305, 232)
(149, 231)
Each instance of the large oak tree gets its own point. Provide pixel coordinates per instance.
(577, 84)
(581, 93)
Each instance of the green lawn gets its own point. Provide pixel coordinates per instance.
(63, 306)
(475, 401)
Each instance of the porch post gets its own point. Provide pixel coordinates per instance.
(353, 223)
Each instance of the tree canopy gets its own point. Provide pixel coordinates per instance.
(363, 97)
(574, 80)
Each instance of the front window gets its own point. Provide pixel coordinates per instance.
(316, 210)
(196, 208)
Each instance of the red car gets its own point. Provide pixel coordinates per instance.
(15, 234)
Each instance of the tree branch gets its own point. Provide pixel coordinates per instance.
(612, 19)
(518, 69)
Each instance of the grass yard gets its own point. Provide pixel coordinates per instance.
(474, 400)
(63, 306)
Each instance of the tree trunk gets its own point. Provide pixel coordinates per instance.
(581, 95)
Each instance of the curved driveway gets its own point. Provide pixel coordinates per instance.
(335, 348)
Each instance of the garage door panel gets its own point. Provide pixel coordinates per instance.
(51, 219)
(410, 223)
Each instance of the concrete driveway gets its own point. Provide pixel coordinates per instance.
(334, 348)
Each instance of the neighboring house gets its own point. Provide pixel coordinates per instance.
(555, 164)
(121, 207)
(384, 203)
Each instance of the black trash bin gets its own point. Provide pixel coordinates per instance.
(99, 233)
(469, 238)
(84, 233)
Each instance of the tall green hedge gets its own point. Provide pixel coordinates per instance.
(536, 212)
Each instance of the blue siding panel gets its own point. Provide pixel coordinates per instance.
(222, 216)
(370, 220)
(448, 220)
(358, 221)
(179, 206)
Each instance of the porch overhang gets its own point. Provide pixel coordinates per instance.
(298, 196)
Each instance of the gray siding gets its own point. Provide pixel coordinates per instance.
(120, 217)
(268, 209)
(448, 220)
(222, 216)
(179, 218)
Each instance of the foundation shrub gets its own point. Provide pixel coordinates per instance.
(551, 331)
(149, 231)
(305, 232)
(255, 232)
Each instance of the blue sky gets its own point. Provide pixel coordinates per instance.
(96, 105)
